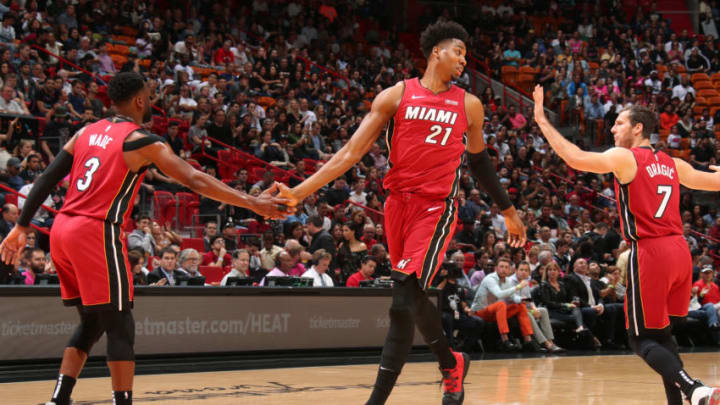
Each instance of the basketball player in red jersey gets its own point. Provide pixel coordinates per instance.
(432, 123)
(647, 187)
(106, 162)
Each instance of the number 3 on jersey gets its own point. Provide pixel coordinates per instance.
(92, 165)
(436, 130)
(665, 191)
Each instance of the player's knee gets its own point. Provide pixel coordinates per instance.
(120, 329)
(87, 333)
(401, 314)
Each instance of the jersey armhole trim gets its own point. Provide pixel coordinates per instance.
(149, 139)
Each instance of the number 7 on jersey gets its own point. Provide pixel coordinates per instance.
(666, 191)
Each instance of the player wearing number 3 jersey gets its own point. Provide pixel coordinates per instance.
(647, 188)
(106, 162)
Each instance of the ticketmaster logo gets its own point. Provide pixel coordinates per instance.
(319, 322)
(17, 328)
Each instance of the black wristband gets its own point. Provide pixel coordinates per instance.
(45, 183)
(482, 168)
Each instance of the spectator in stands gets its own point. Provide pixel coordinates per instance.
(217, 255)
(283, 264)
(321, 239)
(141, 236)
(36, 265)
(338, 193)
(511, 55)
(167, 269)
(230, 233)
(682, 89)
(351, 250)
(42, 218)
(11, 103)
(136, 258)
(539, 316)
(240, 266)
(365, 272)
(189, 262)
(491, 304)
(13, 169)
(9, 218)
(162, 236)
(383, 268)
(581, 285)
(209, 231)
(269, 252)
(298, 254)
(708, 291)
(455, 312)
(318, 271)
(173, 138)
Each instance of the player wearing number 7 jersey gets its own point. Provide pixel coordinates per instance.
(106, 162)
(647, 188)
(432, 123)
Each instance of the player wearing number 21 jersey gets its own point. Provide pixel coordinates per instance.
(647, 188)
(430, 124)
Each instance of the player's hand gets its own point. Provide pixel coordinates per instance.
(12, 247)
(286, 192)
(517, 233)
(539, 97)
(272, 206)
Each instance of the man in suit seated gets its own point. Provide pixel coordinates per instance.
(167, 269)
(318, 272)
(590, 293)
(9, 217)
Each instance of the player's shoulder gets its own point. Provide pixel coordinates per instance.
(389, 99)
(140, 138)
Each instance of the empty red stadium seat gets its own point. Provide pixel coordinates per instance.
(212, 273)
(193, 243)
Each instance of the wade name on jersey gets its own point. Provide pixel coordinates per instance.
(657, 169)
(99, 140)
(430, 114)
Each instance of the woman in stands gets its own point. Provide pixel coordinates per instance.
(554, 296)
(351, 250)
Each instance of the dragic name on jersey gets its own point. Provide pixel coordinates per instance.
(657, 169)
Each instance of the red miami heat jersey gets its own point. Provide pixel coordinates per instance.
(649, 206)
(101, 184)
(426, 141)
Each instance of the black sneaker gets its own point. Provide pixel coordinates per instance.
(453, 380)
(508, 346)
(533, 346)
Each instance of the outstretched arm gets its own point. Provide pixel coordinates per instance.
(696, 179)
(485, 172)
(383, 108)
(619, 161)
(202, 183)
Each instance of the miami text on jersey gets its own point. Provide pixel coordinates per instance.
(430, 114)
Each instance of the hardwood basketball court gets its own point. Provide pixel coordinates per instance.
(621, 379)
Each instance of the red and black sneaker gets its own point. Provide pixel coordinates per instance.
(453, 379)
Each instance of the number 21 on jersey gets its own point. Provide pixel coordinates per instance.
(92, 165)
(436, 130)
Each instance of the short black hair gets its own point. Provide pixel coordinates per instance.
(168, 249)
(316, 220)
(439, 32)
(143, 215)
(216, 237)
(124, 86)
(642, 115)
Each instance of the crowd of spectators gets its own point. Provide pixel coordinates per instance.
(289, 82)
